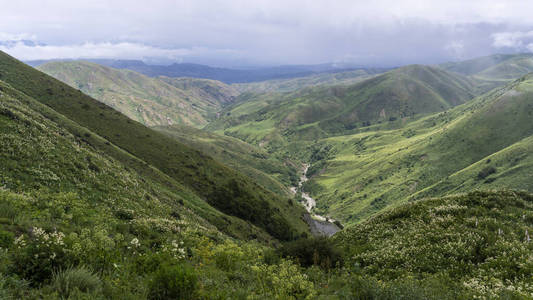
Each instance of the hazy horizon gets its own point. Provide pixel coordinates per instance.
(266, 33)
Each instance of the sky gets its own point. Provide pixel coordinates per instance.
(235, 33)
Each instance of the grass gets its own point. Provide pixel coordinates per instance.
(150, 101)
(479, 239)
(318, 112)
(223, 188)
(250, 160)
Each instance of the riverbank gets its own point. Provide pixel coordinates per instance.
(319, 225)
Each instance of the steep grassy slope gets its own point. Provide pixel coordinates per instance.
(220, 186)
(493, 71)
(69, 163)
(250, 160)
(75, 223)
(151, 101)
(293, 84)
(481, 240)
(472, 146)
(324, 111)
(498, 66)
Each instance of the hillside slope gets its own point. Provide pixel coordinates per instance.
(293, 84)
(482, 144)
(320, 112)
(151, 101)
(498, 66)
(250, 160)
(480, 240)
(220, 186)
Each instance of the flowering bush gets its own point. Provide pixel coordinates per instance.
(37, 255)
(282, 281)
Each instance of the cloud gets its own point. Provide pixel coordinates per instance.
(518, 40)
(379, 32)
(4, 36)
(122, 50)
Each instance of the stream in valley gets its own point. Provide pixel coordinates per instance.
(318, 224)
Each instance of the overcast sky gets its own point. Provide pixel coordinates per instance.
(269, 32)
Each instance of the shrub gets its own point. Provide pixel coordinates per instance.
(6, 239)
(173, 282)
(314, 251)
(36, 257)
(485, 172)
(67, 281)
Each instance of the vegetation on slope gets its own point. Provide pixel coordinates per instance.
(293, 84)
(250, 160)
(324, 111)
(433, 156)
(151, 101)
(498, 66)
(493, 71)
(77, 224)
(223, 188)
(480, 239)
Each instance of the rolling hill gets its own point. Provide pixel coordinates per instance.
(253, 161)
(483, 144)
(319, 112)
(94, 205)
(478, 242)
(226, 75)
(151, 101)
(293, 84)
(495, 67)
(144, 150)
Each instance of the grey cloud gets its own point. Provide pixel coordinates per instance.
(381, 32)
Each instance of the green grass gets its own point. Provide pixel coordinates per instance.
(293, 84)
(498, 67)
(256, 163)
(477, 239)
(432, 156)
(151, 101)
(319, 112)
(221, 187)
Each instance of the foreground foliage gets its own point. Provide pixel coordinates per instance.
(481, 239)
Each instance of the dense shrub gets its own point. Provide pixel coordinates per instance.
(6, 239)
(313, 251)
(485, 172)
(67, 281)
(173, 282)
(39, 255)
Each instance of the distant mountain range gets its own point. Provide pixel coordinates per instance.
(149, 100)
(225, 75)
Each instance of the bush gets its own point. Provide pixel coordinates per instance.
(6, 239)
(173, 282)
(485, 172)
(313, 251)
(37, 257)
(66, 282)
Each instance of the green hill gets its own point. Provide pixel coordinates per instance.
(78, 223)
(293, 84)
(479, 241)
(320, 112)
(223, 188)
(482, 144)
(250, 160)
(94, 205)
(151, 101)
(498, 66)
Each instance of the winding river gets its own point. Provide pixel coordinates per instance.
(318, 224)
